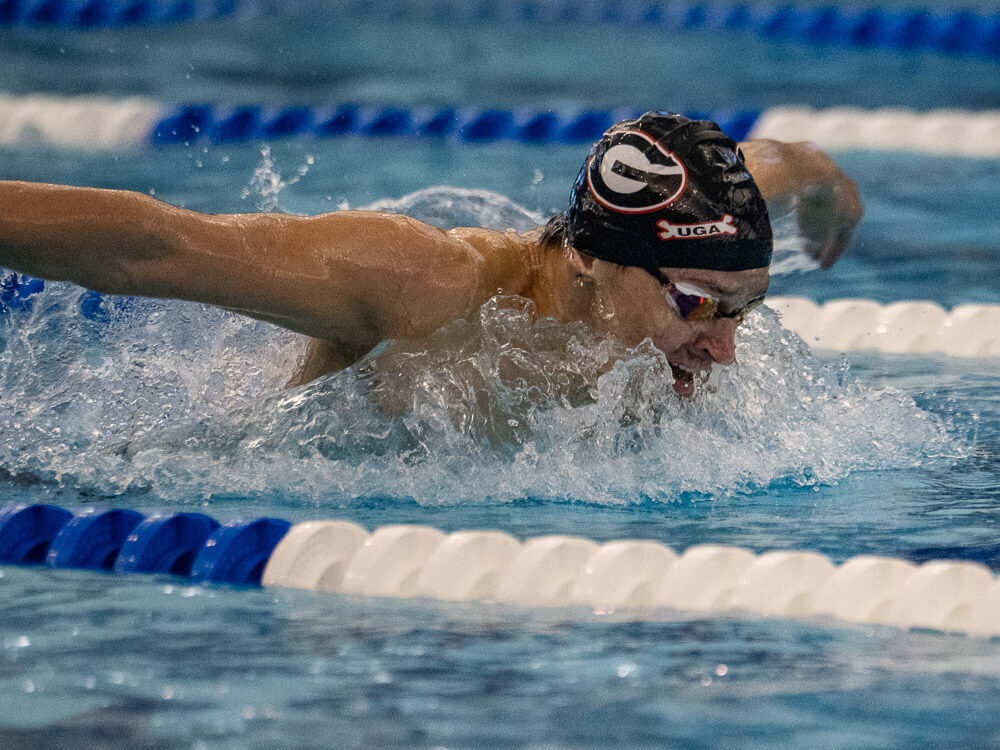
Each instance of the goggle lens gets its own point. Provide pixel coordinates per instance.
(693, 303)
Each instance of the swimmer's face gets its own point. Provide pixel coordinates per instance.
(633, 305)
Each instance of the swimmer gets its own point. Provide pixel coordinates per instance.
(666, 237)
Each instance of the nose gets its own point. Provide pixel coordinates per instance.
(718, 341)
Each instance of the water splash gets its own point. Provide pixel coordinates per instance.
(183, 400)
(449, 207)
(790, 254)
(267, 184)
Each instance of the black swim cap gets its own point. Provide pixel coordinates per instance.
(665, 190)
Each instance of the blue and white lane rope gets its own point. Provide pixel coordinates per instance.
(956, 32)
(100, 124)
(643, 579)
(911, 327)
(87, 14)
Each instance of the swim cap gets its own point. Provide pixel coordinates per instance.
(665, 190)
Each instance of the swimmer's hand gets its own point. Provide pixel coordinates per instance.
(803, 178)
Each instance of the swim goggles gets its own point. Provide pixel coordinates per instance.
(692, 303)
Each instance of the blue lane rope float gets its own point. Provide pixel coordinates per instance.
(92, 539)
(92, 123)
(958, 32)
(26, 532)
(186, 544)
(165, 544)
(646, 579)
(87, 14)
(195, 123)
(238, 551)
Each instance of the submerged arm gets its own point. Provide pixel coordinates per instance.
(352, 278)
(825, 199)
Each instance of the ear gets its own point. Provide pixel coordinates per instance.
(582, 263)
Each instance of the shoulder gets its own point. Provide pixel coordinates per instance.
(407, 253)
(488, 259)
(506, 257)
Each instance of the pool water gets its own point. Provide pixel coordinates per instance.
(169, 406)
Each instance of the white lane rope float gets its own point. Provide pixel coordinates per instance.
(648, 580)
(915, 327)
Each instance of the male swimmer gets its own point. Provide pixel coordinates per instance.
(665, 227)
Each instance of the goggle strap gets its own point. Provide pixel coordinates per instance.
(657, 274)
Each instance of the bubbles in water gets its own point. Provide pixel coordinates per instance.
(186, 401)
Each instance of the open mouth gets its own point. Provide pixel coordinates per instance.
(683, 380)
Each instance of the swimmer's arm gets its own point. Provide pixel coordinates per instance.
(802, 175)
(352, 278)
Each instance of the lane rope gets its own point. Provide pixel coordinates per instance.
(645, 579)
(88, 14)
(952, 32)
(93, 123)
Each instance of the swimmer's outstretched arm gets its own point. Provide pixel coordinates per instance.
(352, 278)
(825, 199)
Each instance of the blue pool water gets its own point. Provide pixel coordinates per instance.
(167, 405)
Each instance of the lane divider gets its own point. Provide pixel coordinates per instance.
(647, 579)
(896, 328)
(912, 327)
(86, 14)
(100, 124)
(955, 32)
